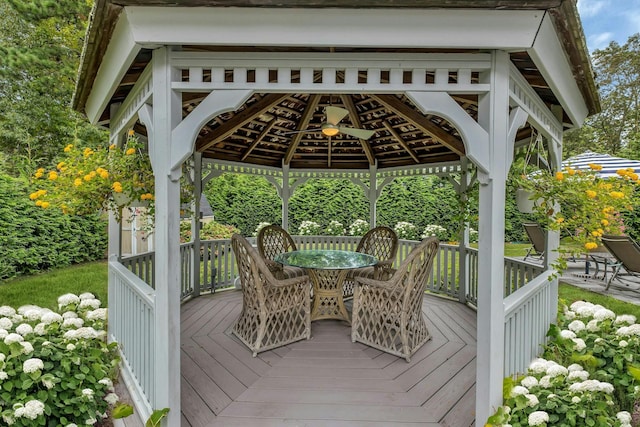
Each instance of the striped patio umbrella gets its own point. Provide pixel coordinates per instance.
(610, 164)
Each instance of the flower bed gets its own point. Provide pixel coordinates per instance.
(56, 368)
(589, 376)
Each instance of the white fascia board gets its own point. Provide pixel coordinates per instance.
(548, 55)
(121, 51)
(383, 28)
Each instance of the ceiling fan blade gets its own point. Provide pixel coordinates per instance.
(358, 133)
(335, 114)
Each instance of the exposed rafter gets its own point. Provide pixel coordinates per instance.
(303, 125)
(355, 120)
(400, 140)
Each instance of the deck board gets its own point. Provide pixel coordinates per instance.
(326, 380)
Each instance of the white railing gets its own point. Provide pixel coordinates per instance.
(132, 302)
(528, 313)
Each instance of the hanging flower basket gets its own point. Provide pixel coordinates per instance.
(525, 201)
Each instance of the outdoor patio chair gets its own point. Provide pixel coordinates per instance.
(536, 236)
(627, 252)
(382, 243)
(387, 314)
(274, 312)
(273, 240)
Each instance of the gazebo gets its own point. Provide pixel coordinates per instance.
(447, 87)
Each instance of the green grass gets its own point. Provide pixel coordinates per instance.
(44, 289)
(572, 293)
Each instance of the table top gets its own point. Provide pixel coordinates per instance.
(326, 259)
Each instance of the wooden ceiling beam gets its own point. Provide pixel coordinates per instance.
(402, 142)
(304, 123)
(355, 120)
(419, 120)
(242, 118)
(259, 138)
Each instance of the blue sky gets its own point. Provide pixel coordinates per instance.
(608, 20)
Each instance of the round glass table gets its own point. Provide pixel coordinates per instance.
(327, 270)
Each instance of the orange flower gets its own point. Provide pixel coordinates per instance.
(617, 194)
(45, 205)
(53, 175)
(131, 132)
(77, 182)
(571, 171)
(590, 245)
(559, 176)
(591, 194)
(595, 167)
(559, 220)
(604, 222)
(68, 148)
(130, 151)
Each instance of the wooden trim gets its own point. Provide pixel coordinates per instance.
(355, 120)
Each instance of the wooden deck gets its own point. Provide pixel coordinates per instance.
(327, 380)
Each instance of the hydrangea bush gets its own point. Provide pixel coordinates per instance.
(309, 228)
(359, 227)
(406, 230)
(56, 368)
(590, 374)
(435, 230)
(335, 228)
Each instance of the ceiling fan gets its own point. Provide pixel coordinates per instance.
(331, 125)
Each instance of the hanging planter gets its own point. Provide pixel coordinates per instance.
(525, 201)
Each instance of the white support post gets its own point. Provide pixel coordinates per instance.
(493, 115)
(115, 228)
(285, 195)
(462, 188)
(373, 195)
(167, 114)
(196, 223)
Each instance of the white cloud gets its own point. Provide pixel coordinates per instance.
(600, 40)
(589, 8)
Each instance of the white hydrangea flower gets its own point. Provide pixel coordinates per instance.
(32, 365)
(567, 334)
(529, 382)
(545, 381)
(32, 410)
(3, 334)
(519, 390)
(7, 311)
(27, 348)
(577, 326)
(71, 347)
(46, 343)
(538, 418)
(3, 357)
(9, 419)
(51, 317)
(576, 399)
(24, 308)
(587, 310)
(5, 323)
(578, 375)
(552, 396)
(623, 343)
(593, 325)
(625, 318)
(87, 295)
(579, 344)
(87, 392)
(603, 314)
(598, 340)
(107, 382)
(575, 367)
(48, 382)
(591, 385)
(13, 337)
(71, 425)
(555, 370)
(570, 315)
(532, 400)
(111, 398)
(91, 421)
(84, 332)
(69, 315)
(90, 303)
(33, 314)
(24, 329)
(576, 305)
(17, 318)
(98, 314)
(624, 417)
(539, 366)
(40, 329)
(67, 299)
(75, 322)
(3, 375)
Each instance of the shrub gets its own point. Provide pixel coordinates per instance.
(210, 231)
(56, 367)
(260, 227)
(359, 227)
(335, 228)
(309, 228)
(35, 239)
(406, 230)
(434, 230)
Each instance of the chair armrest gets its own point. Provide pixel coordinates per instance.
(277, 283)
(382, 284)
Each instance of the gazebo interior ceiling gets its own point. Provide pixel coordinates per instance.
(266, 129)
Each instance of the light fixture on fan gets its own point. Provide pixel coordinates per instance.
(330, 130)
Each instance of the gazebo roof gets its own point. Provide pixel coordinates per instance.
(263, 130)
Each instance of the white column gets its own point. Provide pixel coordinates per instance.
(493, 115)
(285, 195)
(373, 195)
(166, 115)
(463, 244)
(196, 223)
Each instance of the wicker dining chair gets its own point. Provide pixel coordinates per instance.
(274, 312)
(273, 240)
(382, 243)
(387, 314)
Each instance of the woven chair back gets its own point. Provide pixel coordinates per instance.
(625, 249)
(251, 269)
(274, 240)
(536, 235)
(413, 273)
(380, 242)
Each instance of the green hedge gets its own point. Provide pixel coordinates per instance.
(33, 239)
